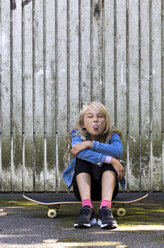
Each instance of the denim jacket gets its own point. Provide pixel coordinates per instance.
(96, 155)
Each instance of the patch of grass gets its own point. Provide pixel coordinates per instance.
(8, 203)
(78, 242)
(67, 222)
(160, 239)
(142, 215)
(68, 214)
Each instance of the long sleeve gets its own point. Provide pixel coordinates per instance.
(113, 149)
(87, 154)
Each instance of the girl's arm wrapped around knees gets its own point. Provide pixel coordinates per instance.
(83, 150)
(114, 148)
(91, 156)
(80, 147)
(80, 150)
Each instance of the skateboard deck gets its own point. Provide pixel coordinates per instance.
(53, 201)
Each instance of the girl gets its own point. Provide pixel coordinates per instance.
(95, 170)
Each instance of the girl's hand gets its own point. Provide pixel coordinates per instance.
(118, 167)
(80, 147)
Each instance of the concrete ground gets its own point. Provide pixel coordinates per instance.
(26, 225)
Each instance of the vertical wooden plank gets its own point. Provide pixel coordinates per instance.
(85, 52)
(5, 89)
(162, 84)
(61, 120)
(127, 95)
(44, 98)
(109, 57)
(96, 50)
(134, 96)
(120, 80)
(17, 97)
(50, 125)
(156, 91)
(145, 97)
(0, 98)
(38, 94)
(73, 75)
(11, 100)
(27, 99)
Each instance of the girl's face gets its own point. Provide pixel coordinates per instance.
(94, 122)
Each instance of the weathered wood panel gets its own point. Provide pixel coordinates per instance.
(96, 39)
(50, 92)
(57, 55)
(27, 104)
(162, 86)
(62, 86)
(73, 59)
(133, 74)
(6, 184)
(84, 52)
(120, 113)
(38, 96)
(145, 175)
(16, 98)
(109, 53)
(156, 96)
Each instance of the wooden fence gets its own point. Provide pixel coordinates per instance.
(56, 55)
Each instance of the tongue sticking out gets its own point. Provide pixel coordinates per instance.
(95, 127)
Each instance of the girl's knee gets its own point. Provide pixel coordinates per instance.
(109, 173)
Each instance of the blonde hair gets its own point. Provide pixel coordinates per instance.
(108, 131)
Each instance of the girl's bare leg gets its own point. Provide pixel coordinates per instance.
(86, 218)
(84, 185)
(106, 219)
(108, 185)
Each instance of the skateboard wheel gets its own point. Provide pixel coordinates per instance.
(121, 212)
(52, 213)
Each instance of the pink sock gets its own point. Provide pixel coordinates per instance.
(87, 202)
(105, 203)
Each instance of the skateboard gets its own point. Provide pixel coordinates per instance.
(53, 201)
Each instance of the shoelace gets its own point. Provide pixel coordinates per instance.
(85, 211)
(106, 212)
